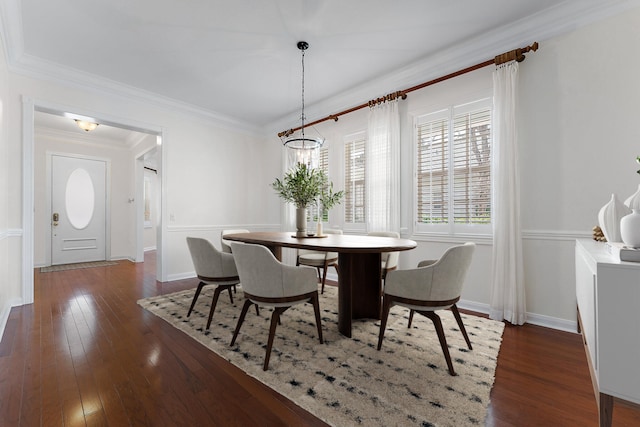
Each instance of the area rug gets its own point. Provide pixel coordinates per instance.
(63, 267)
(346, 381)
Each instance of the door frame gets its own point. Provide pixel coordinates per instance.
(29, 106)
(139, 179)
(48, 200)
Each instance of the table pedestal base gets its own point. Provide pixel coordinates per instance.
(359, 288)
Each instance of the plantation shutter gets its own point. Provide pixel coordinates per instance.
(354, 160)
(453, 169)
(433, 172)
(471, 166)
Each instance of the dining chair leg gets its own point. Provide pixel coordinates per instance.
(410, 318)
(316, 310)
(243, 313)
(275, 318)
(230, 292)
(456, 314)
(386, 306)
(216, 295)
(324, 276)
(443, 340)
(195, 297)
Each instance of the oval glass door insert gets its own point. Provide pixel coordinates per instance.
(80, 198)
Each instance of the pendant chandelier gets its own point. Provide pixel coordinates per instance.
(300, 141)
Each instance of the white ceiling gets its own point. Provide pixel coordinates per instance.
(238, 62)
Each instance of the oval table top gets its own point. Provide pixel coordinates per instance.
(345, 243)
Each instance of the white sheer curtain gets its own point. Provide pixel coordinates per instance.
(507, 287)
(382, 180)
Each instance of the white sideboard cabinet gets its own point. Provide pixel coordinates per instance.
(608, 297)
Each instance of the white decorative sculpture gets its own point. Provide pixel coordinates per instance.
(609, 218)
(630, 224)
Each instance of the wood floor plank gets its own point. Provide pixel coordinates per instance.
(86, 354)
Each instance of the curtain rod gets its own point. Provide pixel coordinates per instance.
(514, 55)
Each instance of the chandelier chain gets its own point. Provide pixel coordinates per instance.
(302, 118)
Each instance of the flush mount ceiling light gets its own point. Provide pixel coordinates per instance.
(300, 141)
(85, 125)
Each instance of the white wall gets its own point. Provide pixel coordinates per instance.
(5, 262)
(214, 177)
(580, 99)
(579, 102)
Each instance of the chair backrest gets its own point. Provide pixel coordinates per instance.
(328, 255)
(262, 275)
(224, 244)
(389, 258)
(210, 262)
(441, 280)
(450, 271)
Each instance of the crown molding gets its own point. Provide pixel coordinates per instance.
(555, 21)
(19, 62)
(11, 29)
(37, 68)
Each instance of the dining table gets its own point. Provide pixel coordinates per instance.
(359, 266)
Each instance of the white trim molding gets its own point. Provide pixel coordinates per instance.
(532, 318)
(209, 228)
(15, 232)
(4, 314)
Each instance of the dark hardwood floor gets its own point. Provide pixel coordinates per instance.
(86, 354)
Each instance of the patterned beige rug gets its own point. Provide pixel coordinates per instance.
(347, 381)
(63, 267)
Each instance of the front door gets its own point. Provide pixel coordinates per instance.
(78, 206)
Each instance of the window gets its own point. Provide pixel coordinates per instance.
(323, 165)
(354, 167)
(453, 168)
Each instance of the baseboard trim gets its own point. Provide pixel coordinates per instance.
(532, 318)
(4, 315)
(181, 276)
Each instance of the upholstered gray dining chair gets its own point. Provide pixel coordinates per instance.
(212, 268)
(224, 244)
(434, 285)
(319, 259)
(268, 282)
(389, 259)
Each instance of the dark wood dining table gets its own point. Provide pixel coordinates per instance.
(359, 266)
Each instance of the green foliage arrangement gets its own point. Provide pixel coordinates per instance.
(328, 198)
(301, 186)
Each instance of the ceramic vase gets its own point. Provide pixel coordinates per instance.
(630, 229)
(609, 218)
(633, 201)
(301, 222)
(630, 224)
(319, 229)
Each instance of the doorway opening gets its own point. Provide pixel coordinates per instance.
(140, 143)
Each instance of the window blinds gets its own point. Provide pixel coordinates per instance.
(354, 160)
(454, 166)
